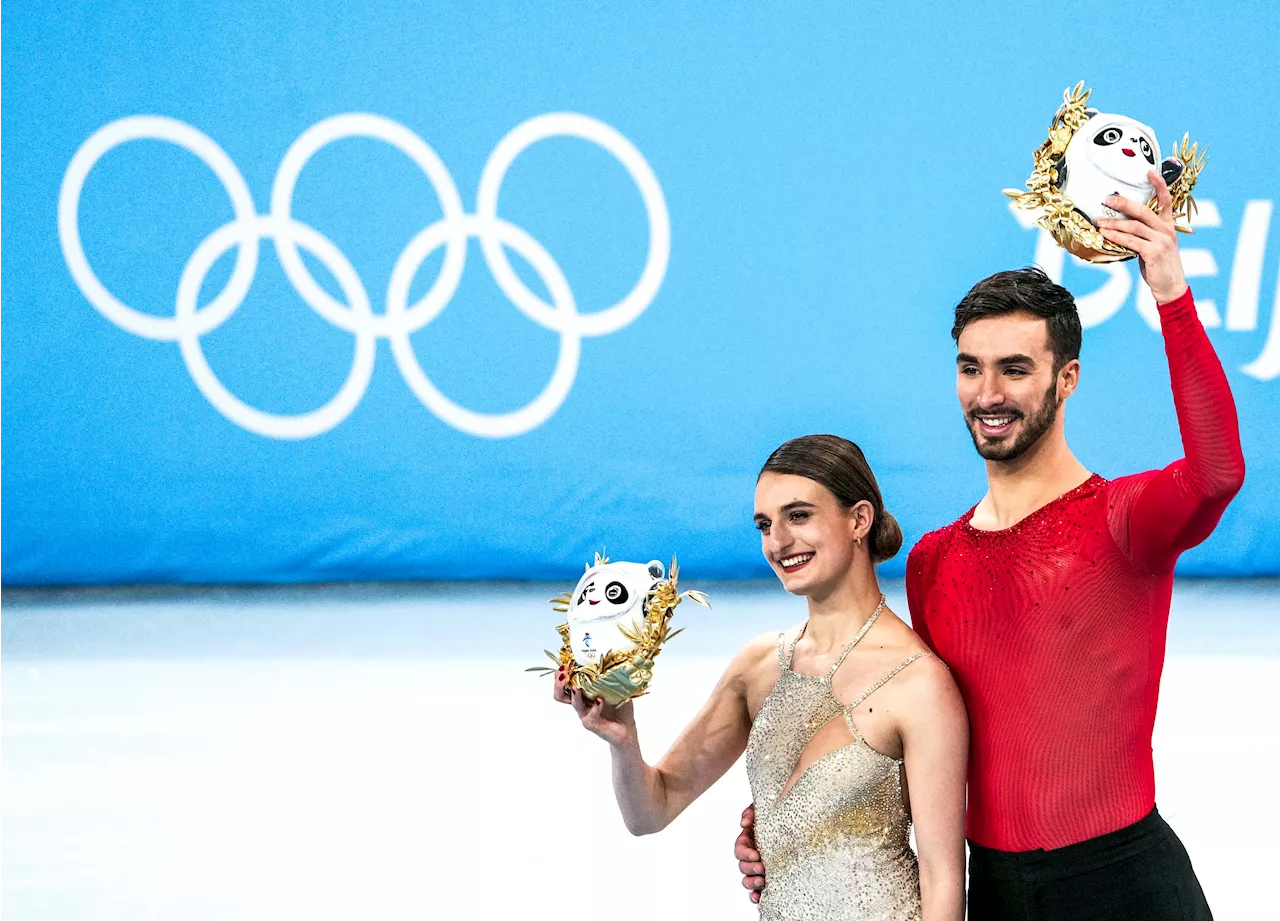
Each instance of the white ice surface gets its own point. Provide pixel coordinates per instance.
(159, 765)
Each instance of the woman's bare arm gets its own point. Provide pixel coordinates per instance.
(935, 749)
(650, 797)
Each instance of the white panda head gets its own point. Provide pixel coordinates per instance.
(1109, 154)
(1121, 147)
(607, 597)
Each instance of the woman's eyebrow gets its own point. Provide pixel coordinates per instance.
(798, 503)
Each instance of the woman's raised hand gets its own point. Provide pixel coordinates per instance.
(616, 725)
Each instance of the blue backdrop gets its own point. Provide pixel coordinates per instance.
(743, 225)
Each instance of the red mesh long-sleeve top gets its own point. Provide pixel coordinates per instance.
(1055, 627)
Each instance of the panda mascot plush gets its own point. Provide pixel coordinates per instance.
(1090, 155)
(1111, 155)
(607, 608)
(616, 621)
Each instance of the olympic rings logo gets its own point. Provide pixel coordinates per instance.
(400, 319)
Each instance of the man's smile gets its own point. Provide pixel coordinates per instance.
(994, 424)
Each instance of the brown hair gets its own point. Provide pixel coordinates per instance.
(1030, 291)
(838, 464)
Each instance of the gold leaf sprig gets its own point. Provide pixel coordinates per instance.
(1193, 160)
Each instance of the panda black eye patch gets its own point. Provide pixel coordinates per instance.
(615, 592)
(1107, 136)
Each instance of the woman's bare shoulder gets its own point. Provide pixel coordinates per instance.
(927, 672)
(928, 687)
(755, 662)
(759, 650)
(900, 637)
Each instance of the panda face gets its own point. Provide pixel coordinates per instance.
(615, 593)
(604, 593)
(607, 606)
(1122, 149)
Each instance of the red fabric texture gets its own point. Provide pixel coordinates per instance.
(1055, 627)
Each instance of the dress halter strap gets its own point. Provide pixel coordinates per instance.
(861, 633)
(879, 684)
(787, 650)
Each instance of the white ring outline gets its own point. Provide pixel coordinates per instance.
(180, 134)
(572, 124)
(544, 405)
(354, 125)
(190, 322)
(302, 425)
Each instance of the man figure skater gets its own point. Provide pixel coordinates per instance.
(1050, 601)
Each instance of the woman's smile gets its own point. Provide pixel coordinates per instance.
(795, 562)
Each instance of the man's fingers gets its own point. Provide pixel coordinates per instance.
(1140, 245)
(1164, 200)
(751, 868)
(1137, 210)
(749, 816)
(745, 851)
(753, 882)
(1136, 228)
(755, 898)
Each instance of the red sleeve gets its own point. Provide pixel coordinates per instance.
(1179, 506)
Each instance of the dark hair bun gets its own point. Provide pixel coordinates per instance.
(839, 465)
(886, 537)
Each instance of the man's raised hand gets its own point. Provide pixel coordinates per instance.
(1151, 235)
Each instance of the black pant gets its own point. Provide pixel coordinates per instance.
(1138, 873)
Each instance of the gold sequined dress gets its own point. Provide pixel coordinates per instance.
(834, 844)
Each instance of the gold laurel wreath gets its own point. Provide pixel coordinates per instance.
(620, 676)
(1070, 228)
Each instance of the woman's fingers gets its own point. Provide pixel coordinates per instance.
(591, 712)
(560, 690)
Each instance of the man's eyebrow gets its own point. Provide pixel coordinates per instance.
(1018, 359)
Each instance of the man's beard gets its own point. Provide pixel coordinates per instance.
(1032, 429)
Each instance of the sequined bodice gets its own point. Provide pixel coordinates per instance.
(834, 844)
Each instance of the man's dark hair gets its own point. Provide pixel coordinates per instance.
(1030, 291)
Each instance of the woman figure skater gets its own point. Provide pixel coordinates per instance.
(852, 728)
